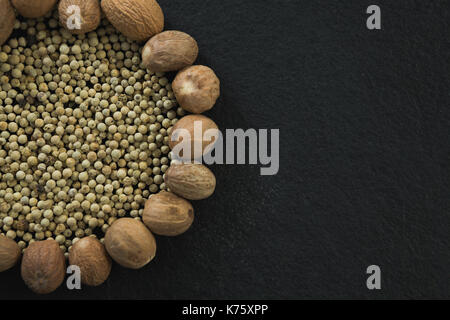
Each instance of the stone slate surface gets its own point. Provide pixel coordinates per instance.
(364, 157)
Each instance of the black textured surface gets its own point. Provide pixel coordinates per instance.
(364, 169)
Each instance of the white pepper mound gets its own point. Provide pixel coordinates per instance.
(84, 132)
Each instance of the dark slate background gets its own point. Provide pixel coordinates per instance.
(364, 177)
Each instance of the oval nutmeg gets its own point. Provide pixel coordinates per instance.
(130, 243)
(90, 15)
(7, 20)
(33, 8)
(190, 181)
(9, 253)
(91, 257)
(169, 51)
(167, 214)
(43, 266)
(136, 19)
(196, 88)
(187, 125)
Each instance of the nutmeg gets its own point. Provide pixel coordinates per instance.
(43, 266)
(190, 181)
(91, 257)
(130, 243)
(169, 51)
(7, 20)
(136, 19)
(187, 125)
(196, 88)
(167, 214)
(33, 8)
(9, 253)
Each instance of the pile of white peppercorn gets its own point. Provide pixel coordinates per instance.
(84, 132)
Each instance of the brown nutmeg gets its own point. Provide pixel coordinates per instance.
(90, 15)
(167, 214)
(187, 125)
(169, 51)
(190, 181)
(196, 88)
(91, 257)
(33, 8)
(7, 20)
(136, 19)
(43, 266)
(130, 243)
(9, 253)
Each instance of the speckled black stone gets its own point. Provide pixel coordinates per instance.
(365, 157)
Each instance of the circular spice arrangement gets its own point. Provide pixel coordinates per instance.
(86, 122)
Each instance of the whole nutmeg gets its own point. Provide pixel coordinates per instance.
(89, 18)
(9, 253)
(169, 51)
(167, 214)
(43, 266)
(7, 20)
(196, 88)
(33, 8)
(190, 181)
(184, 133)
(92, 259)
(130, 243)
(136, 19)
